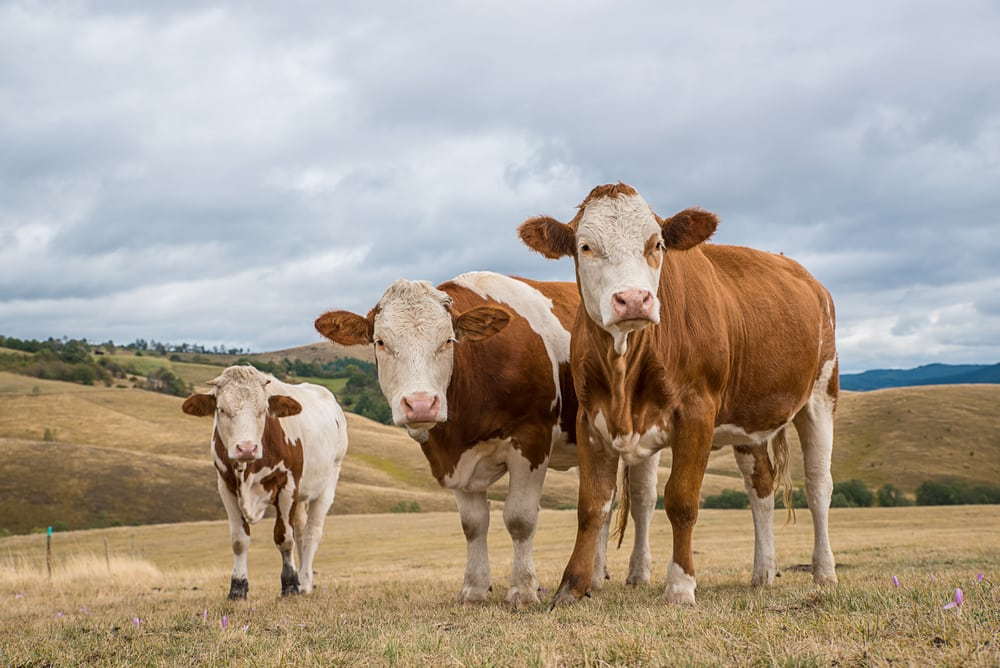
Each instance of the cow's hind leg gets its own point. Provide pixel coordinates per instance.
(642, 504)
(313, 535)
(474, 510)
(814, 424)
(520, 515)
(239, 531)
(285, 541)
(758, 477)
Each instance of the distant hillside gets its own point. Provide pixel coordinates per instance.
(929, 374)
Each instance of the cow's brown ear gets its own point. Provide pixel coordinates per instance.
(480, 323)
(345, 328)
(548, 236)
(282, 405)
(688, 228)
(199, 405)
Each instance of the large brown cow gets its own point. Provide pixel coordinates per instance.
(691, 346)
(477, 370)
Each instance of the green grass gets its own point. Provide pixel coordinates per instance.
(387, 585)
(335, 385)
(14, 351)
(196, 374)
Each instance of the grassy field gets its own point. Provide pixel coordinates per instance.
(386, 587)
(116, 438)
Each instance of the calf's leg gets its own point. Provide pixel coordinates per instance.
(474, 510)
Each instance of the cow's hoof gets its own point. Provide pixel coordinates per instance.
(763, 578)
(473, 595)
(238, 588)
(676, 596)
(597, 583)
(825, 579)
(519, 597)
(289, 582)
(564, 597)
(639, 577)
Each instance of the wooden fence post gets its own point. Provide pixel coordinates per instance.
(48, 552)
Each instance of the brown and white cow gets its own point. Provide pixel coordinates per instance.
(691, 346)
(477, 370)
(277, 444)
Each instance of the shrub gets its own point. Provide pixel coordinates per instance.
(798, 499)
(840, 500)
(856, 492)
(728, 499)
(405, 507)
(165, 381)
(890, 496)
(955, 492)
(49, 435)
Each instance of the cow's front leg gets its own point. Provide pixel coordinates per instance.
(474, 510)
(691, 447)
(284, 540)
(758, 478)
(239, 531)
(312, 535)
(520, 514)
(642, 504)
(598, 470)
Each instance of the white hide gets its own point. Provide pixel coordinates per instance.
(531, 305)
(616, 230)
(765, 561)
(680, 586)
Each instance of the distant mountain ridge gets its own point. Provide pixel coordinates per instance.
(928, 374)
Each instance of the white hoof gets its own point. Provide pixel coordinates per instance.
(680, 586)
(472, 595)
(763, 577)
(825, 579)
(638, 575)
(518, 597)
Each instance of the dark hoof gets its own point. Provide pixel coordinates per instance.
(289, 581)
(238, 589)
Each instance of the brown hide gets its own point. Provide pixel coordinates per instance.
(501, 387)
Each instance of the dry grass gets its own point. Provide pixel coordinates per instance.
(387, 585)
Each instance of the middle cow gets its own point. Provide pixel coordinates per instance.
(477, 371)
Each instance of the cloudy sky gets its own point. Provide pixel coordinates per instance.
(224, 174)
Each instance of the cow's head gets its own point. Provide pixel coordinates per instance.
(414, 330)
(241, 403)
(618, 243)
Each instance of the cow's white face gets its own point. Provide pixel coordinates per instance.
(414, 331)
(618, 252)
(241, 403)
(619, 245)
(414, 347)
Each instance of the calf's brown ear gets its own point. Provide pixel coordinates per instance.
(199, 405)
(282, 405)
(548, 236)
(480, 323)
(688, 228)
(345, 328)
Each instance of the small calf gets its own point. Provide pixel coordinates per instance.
(279, 444)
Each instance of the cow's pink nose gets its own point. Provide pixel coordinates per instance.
(421, 407)
(246, 450)
(633, 304)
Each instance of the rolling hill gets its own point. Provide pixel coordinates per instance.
(92, 456)
(929, 374)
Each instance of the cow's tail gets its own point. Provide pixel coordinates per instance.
(782, 474)
(624, 502)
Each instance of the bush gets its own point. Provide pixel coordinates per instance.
(165, 381)
(727, 499)
(798, 499)
(955, 492)
(49, 435)
(856, 492)
(405, 507)
(890, 496)
(840, 500)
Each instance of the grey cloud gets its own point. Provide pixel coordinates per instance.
(158, 147)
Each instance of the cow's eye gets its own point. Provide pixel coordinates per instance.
(451, 340)
(659, 245)
(379, 343)
(585, 248)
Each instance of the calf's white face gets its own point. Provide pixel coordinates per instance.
(414, 332)
(241, 403)
(618, 243)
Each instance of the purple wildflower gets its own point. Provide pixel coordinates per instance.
(224, 622)
(19, 595)
(136, 622)
(957, 602)
(895, 581)
(980, 576)
(245, 627)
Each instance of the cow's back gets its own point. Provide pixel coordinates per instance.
(320, 429)
(779, 323)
